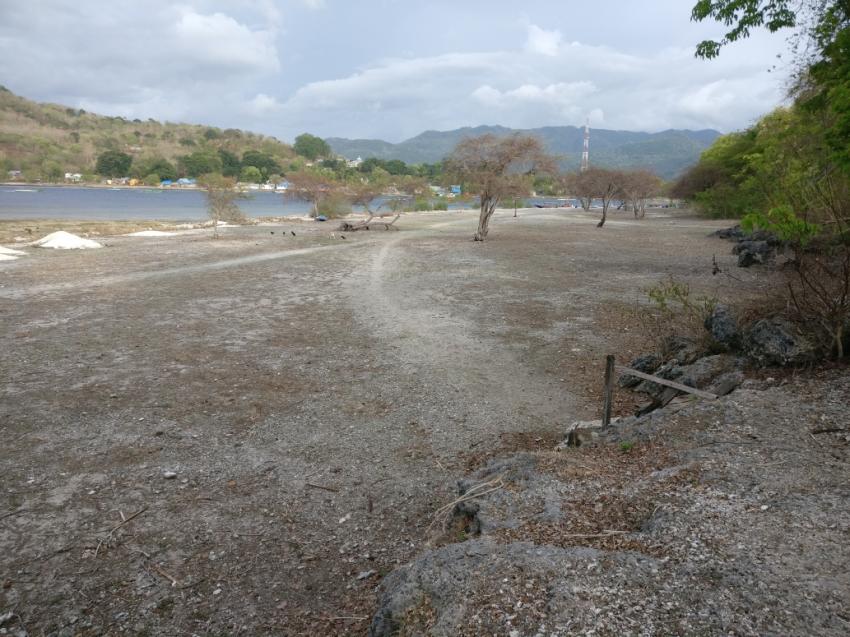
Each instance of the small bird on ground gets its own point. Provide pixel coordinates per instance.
(292, 232)
(272, 232)
(342, 236)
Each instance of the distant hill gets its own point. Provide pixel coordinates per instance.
(667, 153)
(35, 137)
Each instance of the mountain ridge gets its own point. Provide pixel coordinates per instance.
(666, 152)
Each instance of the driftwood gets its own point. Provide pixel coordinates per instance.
(373, 220)
(628, 371)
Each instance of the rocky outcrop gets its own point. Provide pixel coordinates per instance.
(776, 341)
(757, 247)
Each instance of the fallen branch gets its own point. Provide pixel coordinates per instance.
(471, 494)
(591, 536)
(319, 486)
(831, 430)
(170, 578)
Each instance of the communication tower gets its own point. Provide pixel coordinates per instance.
(585, 153)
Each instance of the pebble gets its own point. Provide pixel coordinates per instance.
(169, 475)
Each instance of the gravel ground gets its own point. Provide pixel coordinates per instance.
(243, 435)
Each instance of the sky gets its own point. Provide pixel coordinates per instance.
(388, 69)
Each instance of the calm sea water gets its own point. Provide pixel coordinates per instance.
(94, 204)
(145, 204)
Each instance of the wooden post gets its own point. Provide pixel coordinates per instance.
(608, 390)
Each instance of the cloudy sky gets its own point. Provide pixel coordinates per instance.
(387, 69)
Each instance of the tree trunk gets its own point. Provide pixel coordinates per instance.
(605, 205)
(585, 202)
(488, 207)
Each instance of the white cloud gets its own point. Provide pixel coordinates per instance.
(221, 40)
(523, 89)
(262, 104)
(542, 41)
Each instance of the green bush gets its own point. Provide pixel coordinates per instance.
(334, 206)
(440, 205)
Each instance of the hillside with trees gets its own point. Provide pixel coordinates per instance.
(45, 141)
(666, 153)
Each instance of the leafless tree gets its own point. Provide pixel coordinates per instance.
(636, 186)
(497, 167)
(599, 183)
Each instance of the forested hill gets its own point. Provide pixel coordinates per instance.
(40, 139)
(667, 153)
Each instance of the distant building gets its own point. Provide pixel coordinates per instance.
(15, 174)
(354, 163)
(74, 178)
(455, 190)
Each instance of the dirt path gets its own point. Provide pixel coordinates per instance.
(316, 398)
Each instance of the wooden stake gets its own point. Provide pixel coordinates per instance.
(608, 390)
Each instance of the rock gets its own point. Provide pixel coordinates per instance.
(366, 574)
(726, 383)
(753, 252)
(169, 475)
(683, 350)
(723, 327)
(735, 232)
(439, 582)
(703, 372)
(776, 341)
(647, 364)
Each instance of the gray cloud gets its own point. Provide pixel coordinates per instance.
(384, 68)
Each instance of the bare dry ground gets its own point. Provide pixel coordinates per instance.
(316, 397)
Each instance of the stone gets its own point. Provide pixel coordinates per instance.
(169, 475)
(776, 341)
(726, 383)
(753, 252)
(723, 326)
(647, 364)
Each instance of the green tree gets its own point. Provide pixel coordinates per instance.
(311, 147)
(51, 170)
(251, 174)
(230, 164)
(199, 163)
(113, 163)
(266, 164)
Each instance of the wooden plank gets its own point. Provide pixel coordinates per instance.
(667, 383)
(608, 390)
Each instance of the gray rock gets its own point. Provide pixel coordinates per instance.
(647, 364)
(723, 327)
(726, 383)
(753, 252)
(444, 577)
(776, 341)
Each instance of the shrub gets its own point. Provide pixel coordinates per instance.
(334, 206)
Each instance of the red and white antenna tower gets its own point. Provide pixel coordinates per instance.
(585, 153)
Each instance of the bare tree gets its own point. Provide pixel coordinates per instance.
(497, 167)
(581, 187)
(599, 183)
(636, 186)
(222, 196)
(310, 186)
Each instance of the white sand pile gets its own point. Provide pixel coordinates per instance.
(62, 240)
(7, 257)
(151, 233)
(11, 252)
